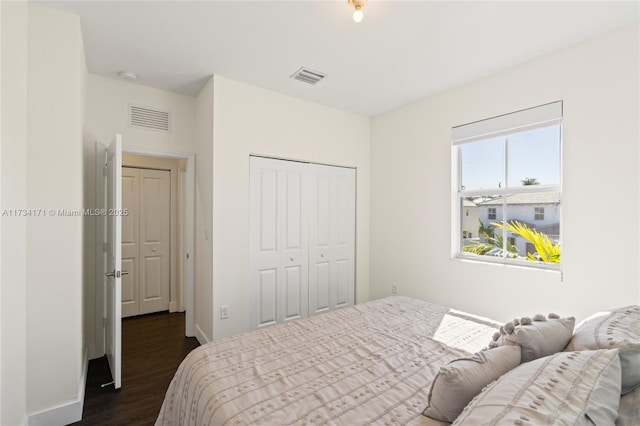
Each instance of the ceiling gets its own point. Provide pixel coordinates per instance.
(402, 51)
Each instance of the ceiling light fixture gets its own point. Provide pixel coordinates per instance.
(357, 5)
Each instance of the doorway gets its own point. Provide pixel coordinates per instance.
(183, 289)
(150, 235)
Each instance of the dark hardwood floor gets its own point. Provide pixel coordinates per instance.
(152, 348)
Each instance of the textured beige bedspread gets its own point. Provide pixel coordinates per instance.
(369, 363)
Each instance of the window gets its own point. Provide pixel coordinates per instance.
(508, 166)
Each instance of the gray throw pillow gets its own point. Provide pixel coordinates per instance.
(461, 379)
(538, 337)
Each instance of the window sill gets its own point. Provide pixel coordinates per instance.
(510, 263)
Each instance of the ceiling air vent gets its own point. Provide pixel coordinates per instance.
(149, 118)
(308, 76)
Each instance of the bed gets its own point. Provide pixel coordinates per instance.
(371, 363)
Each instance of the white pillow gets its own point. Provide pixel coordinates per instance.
(461, 379)
(576, 388)
(620, 329)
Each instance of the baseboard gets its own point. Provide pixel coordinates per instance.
(66, 413)
(173, 306)
(202, 338)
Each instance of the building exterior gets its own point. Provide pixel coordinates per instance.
(539, 211)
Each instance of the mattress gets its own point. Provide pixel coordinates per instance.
(368, 363)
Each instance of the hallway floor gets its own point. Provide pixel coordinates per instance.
(152, 348)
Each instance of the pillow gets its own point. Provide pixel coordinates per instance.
(576, 388)
(461, 379)
(538, 337)
(619, 328)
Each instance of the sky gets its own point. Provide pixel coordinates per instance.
(531, 154)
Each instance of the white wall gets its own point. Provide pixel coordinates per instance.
(249, 120)
(54, 357)
(203, 292)
(13, 194)
(107, 114)
(598, 81)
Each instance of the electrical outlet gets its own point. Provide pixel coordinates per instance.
(224, 312)
(394, 288)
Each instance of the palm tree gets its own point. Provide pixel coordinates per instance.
(546, 250)
(529, 181)
(493, 245)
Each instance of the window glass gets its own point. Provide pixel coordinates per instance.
(534, 157)
(483, 164)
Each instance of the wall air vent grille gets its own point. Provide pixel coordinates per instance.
(308, 76)
(149, 118)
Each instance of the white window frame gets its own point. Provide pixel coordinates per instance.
(539, 117)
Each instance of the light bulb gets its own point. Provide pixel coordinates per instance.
(357, 14)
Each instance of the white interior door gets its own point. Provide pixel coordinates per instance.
(321, 242)
(279, 248)
(155, 234)
(130, 241)
(264, 244)
(294, 252)
(344, 234)
(146, 240)
(114, 274)
(331, 237)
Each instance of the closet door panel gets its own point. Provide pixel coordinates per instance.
(155, 234)
(292, 307)
(294, 254)
(268, 279)
(130, 242)
(268, 210)
(320, 240)
(343, 282)
(344, 248)
(264, 242)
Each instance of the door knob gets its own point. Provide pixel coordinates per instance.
(116, 274)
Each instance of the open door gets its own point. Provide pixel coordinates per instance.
(114, 243)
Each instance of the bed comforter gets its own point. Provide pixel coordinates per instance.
(369, 363)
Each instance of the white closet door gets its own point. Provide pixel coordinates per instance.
(294, 242)
(320, 241)
(345, 234)
(331, 238)
(278, 235)
(146, 240)
(155, 234)
(130, 242)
